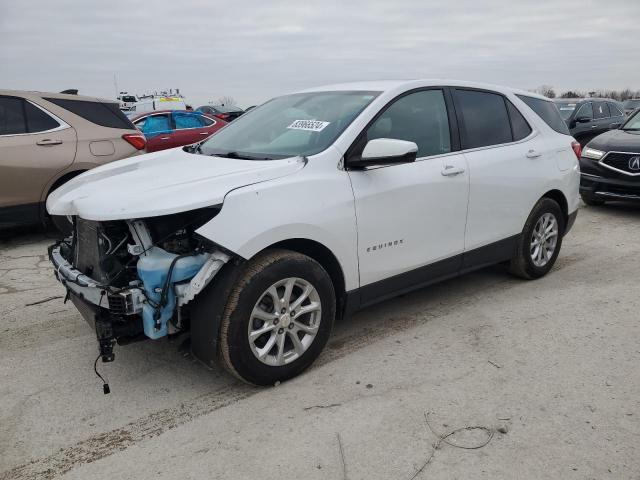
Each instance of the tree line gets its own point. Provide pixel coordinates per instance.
(620, 95)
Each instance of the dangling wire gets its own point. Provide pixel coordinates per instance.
(105, 385)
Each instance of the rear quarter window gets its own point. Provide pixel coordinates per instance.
(103, 114)
(548, 112)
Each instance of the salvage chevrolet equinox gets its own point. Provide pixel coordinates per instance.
(312, 206)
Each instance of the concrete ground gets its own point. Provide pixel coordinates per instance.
(554, 363)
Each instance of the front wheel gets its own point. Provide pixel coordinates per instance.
(278, 317)
(540, 241)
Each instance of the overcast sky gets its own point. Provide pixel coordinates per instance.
(256, 49)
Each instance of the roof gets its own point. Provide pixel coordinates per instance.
(590, 99)
(65, 96)
(392, 85)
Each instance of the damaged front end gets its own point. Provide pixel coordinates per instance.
(134, 279)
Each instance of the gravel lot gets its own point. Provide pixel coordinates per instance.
(555, 361)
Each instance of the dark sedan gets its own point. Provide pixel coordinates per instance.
(610, 165)
(227, 113)
(589, 117)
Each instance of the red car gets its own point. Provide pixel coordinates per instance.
(175, 128)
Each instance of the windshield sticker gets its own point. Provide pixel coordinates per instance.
(310, 125)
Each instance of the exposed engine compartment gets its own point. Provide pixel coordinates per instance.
(134, 279)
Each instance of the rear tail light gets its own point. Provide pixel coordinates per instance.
(136, 139)
(577, 149)
(222, 116)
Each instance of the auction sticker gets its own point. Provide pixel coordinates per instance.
(310, 125)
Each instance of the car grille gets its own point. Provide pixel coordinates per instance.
(622, 162)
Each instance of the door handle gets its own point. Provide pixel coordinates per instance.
(204, 133)
(48, 142)
(594, 126)
(533, 154)
(164, 138)
(450, 170)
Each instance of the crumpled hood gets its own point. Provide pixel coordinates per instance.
(161, 183)
(617, 141)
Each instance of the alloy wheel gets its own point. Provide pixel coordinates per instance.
(544, 239)
(284, 321)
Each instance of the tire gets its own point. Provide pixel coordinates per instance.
(591, 201)
(528, 262)
(253, 295)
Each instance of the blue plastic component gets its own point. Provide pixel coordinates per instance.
(153, 269)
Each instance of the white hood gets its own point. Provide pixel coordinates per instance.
(161, 183)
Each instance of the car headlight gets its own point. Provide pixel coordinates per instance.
(593, 153)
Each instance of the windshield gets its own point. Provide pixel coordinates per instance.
(566, 108)
(633, 124)
(299, 124)
(629, 104)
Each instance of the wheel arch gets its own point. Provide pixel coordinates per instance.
(62, 179)
(561, 200)
(325, 257)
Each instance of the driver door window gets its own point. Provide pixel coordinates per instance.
(586, 110)
(419, 117)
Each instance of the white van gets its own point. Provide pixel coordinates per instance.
(158, 103)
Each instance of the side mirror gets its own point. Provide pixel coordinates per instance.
(583, 119)
(385, 151)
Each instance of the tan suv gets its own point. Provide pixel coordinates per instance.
(47, 139)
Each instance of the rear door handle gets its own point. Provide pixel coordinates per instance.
(204, 133)
(450, 170)
(164, 138)
(48, 142)
(533, 154)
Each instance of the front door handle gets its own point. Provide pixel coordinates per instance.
(533, 154)
(450, 170)
(164, 138)
(47, 142)
(204, 133)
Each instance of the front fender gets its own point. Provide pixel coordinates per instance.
(318, 208)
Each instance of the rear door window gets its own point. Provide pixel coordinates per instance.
(547, 111)
(600, 110)
(12, 118)
(103, 114)
(485, 118)
(37, 120)
(185, 120)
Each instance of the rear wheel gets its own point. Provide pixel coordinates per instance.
(278, 317)
(540, 242)
(591, 200)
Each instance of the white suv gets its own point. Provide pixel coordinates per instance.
(310, 207)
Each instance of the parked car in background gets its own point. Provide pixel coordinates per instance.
(228, 113)
(156, 104)
(313, 206)
(48, 138)
(589, 117)
(127, 101)
(175, 128)
(610, 165)
(631, 106)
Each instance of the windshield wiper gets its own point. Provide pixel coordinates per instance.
(631, 129)
(239, 156)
